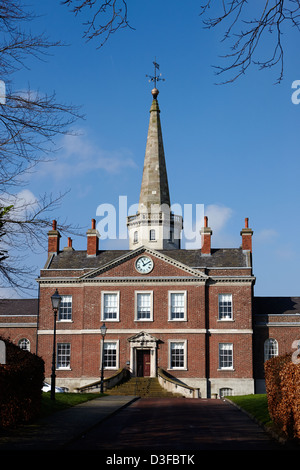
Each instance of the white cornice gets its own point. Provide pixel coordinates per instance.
(126, 331)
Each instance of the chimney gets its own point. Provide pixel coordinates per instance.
(92, 240)
(246, 234)
(70, 246)
(206, 233)
(53, 239)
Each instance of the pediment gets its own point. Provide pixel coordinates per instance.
(123, 266)
(143, 339)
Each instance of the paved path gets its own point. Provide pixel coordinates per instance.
(55, 431)
(176, 425)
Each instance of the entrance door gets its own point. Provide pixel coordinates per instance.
(143, 362)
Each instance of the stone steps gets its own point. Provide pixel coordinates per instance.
(142, 387)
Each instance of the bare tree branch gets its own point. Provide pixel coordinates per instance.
(106, 17)
(30, 121)
(269, 19)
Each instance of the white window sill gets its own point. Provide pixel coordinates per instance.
(143, 320)
(225, 319)
(177, 319)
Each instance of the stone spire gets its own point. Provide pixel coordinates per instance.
(155, 187)
(154, 225)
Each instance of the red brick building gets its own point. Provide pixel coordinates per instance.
(188, 312)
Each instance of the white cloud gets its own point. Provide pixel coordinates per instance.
(218, 217)
(78, 156)
(23, 202)
(266, 235)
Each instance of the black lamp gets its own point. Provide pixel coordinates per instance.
(103, 331)
(55, 299)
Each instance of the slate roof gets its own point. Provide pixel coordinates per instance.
(18, 307)
(276, 305)
(220, 258)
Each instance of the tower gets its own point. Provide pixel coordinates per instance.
(154, 225)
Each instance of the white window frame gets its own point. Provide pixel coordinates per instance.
(184, 293)
(230, 367)
(221, 316)
(174, 341)
(136, 294)
(24, 344)
(152, 235)
(103, 317)
(270, 348)
(65, 367)
(70, 315)
(117, 343)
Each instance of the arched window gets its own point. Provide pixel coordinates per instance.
(135, 237)
(152, 234)
(24, 343)
(270, 348)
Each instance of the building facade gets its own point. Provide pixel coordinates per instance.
(191, 313)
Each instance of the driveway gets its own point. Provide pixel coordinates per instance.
(174, 425)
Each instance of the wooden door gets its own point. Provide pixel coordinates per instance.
(143, 362)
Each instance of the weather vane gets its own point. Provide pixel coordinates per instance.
(155, 78)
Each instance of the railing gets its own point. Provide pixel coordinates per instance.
(108, 383)
(175, 386)
(154, 216)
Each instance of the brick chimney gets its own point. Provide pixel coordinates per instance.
(69, 247)
(92, 240)
(53, 239)
(206, 233)
(246, 234)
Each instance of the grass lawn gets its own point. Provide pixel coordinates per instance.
(255, 405)
(64, 400)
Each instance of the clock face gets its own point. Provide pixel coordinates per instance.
(144, 264)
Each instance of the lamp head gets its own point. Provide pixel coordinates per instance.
(103, 329)
(55, 299)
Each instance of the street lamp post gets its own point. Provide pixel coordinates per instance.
(55, 299)
(103, 330)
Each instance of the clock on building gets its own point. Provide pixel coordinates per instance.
(144, 265)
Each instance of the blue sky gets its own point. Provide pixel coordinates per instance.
(233, 148)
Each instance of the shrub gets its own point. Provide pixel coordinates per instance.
(283, 386)
(21, 381)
